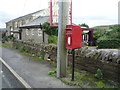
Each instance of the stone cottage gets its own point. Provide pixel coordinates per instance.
(33, 32)
(13, 26)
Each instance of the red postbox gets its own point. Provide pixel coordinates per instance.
(73, 36)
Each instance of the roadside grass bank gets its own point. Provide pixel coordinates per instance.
(85, 80)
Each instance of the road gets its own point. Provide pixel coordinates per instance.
(35, 73)
(9, 80)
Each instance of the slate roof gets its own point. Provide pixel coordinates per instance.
(36, 22)
(26, 15)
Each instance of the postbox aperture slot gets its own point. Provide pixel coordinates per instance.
(69, 29)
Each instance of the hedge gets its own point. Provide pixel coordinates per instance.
(109, 44)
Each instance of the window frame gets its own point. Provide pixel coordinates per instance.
(39, 32)
(32, 32)
(27, 32)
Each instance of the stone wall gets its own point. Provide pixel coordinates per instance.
(85, 59)
(38, 49)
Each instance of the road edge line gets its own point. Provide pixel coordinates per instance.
(15, 74)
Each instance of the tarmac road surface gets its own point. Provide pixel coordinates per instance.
(9, 80)
(35, 73)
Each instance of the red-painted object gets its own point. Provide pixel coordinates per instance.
(87, 29)
(52, 14)
(73, 36)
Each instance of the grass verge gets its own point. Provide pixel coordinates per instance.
(6, 45)
(85, 80)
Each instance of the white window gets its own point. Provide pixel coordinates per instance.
(32, 31)
(11, 33)
(16, 24)
(27, 32)
(20, 23)
(11, 29)
(27, 21)
(39, 32)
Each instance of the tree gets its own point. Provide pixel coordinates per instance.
(113, 32)
(99, 33)
(84, 25)
(50, 30)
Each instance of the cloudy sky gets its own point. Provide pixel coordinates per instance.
(91, 12)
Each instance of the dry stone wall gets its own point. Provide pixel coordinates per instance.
(85, 59)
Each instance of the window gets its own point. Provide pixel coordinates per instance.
(39, 32)
(27, 21)
(27, 32)
(16, 24)
(20, 23)
(32, 31)
(11, 29)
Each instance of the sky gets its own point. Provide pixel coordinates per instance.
(91, 12)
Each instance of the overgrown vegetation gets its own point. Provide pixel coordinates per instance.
(42, 56)
(7, 38)
(52, 32)
(52, 73)
(6, 45)
(85, 79)
(99, 74)
(53, 39)
(111, 43)
(84, 25)
(108, 38)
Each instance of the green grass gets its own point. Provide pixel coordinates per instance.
(26, 54)
(6, 45)
(53, 39)
(40, 59)
(52, 73)
(83, 79)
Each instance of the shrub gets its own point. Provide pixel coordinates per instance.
(99, 33)
(111, 43)
(22, 49)
(100, 84)
(109, 38)
(50, 30)
(42, 55)
(99, 74)
(53, 39)
(52, 73)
